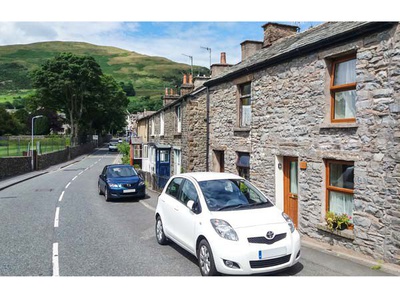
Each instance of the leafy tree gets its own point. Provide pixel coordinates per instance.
(128, 88)
(68, 83)
(8, 124)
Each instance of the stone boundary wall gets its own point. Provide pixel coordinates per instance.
(12, 166)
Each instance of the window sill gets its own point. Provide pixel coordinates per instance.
(177, 134)
(242, 129)
(347, 233)
(338, 125)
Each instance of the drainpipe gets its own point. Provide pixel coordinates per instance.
(208, 129)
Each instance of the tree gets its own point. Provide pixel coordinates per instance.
(8, 124)
(68, 83)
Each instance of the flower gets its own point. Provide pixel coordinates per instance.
(337, 221)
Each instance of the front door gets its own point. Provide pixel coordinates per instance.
(291, 188)
(162, 166)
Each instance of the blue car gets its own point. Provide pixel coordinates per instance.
(120, 181)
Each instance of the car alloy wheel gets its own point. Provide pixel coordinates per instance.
(99, 189)
(206, 260)
(106, 194)
(161, 238)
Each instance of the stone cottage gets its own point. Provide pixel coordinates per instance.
(312, 119)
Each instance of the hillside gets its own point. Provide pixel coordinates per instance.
(149, 74)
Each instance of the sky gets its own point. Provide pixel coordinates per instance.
(175, 29)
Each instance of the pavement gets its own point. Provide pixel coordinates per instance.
(306, 241)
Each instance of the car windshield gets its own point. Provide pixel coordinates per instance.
(229, 194)
(121, 171)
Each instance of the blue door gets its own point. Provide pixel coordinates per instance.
(162, 166)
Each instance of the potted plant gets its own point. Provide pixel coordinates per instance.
(337, 221)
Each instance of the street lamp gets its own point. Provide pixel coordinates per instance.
(35, 117)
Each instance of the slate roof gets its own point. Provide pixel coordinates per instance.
(287, 48)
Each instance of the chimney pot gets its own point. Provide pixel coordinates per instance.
(184, 78)
(223, 58)
(166, 91)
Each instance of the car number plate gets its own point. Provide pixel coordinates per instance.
(130, 191)
(263, 254)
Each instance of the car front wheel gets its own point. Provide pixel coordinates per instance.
(99, 189)
(160, 235)
(206, 259)
(106, 194)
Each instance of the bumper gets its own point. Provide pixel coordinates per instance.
(248, 258)
(121, 193)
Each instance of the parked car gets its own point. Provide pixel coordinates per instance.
(112, 146)
(227, 223)
(120, 140)
(120, 181)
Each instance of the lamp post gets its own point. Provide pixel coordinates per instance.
(35, 117)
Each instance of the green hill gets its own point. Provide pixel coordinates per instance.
(149, 74)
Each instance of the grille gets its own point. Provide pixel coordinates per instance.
(264, 240)
(257, 264)
(129, 185)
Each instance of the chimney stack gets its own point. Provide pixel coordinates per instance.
(187, 85)
(170, 96)
(274, 32)
(217, 69)
(249, 48)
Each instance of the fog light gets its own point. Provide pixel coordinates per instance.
(231, 264)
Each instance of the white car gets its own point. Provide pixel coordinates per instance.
(227, 223)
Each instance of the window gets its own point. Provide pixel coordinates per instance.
(245, 105)
(340, 186)
(137, 151)
(178, 119)
(177, 161)
(152, 127)
(343, 90)
(243, 165)
(173, 187)
(164, 156)
(162, 123)
(188, 192)
(145, 151)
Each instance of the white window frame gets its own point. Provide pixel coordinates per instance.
(178, 114)
(177, 161)
(162, 123)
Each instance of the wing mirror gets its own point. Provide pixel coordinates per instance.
(193, 206)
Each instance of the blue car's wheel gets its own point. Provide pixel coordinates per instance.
(106, 195)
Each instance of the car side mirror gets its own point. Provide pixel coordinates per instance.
(190, 205)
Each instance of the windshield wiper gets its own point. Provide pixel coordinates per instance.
(235, 206)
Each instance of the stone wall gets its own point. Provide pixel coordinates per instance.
(291, 117)
(12, 166)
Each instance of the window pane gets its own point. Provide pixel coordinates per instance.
(173, 187)
(245, 89)
(341, 176)
(345, 104)
(293, 177)
(341, 203)
(345, 72)
(246, 114)
(164, 156)
(188, 192)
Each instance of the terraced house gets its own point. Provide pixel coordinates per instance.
(312, 118)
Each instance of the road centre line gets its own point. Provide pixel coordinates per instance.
(62, 195)
(56, 217)
(67, 185)
(74, 178)
(56, 271)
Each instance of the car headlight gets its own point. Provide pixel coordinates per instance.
(141, 183)
(224, 229)
(113, 185)
(289, 221)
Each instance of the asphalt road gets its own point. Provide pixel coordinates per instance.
(57, 225)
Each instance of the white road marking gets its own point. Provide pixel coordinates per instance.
(56, 271)
(61, 196)
(67, 185)
(56, 217)
(147, 205)
(80, 173)
(74, 178)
